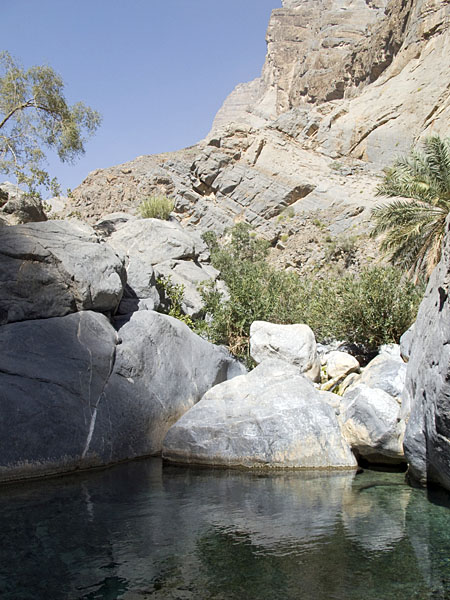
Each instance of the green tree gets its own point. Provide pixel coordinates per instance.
(414, 224)
(34, 115)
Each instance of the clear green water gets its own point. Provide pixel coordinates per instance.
(141, 530)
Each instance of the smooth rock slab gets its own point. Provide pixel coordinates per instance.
(271, 417)
(294, 344)
(52, 378)
(53, 268)
(162, 369)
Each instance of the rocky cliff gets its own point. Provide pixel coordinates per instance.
(387, 65)
(308, 43)
(347, 85)
(427, 391)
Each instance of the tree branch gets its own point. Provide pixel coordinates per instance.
(26, 104)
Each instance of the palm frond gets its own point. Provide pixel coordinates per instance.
(413, 225)
(437, 155)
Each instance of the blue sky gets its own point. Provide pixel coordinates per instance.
(157, 70)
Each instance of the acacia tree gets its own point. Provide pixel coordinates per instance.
(414, 222)
(35, 116)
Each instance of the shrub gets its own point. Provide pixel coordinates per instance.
(156, 207)
(172, 294)
(373, 308)
(340, 247)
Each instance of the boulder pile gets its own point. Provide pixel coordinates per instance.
(83, 385)
(275, 416)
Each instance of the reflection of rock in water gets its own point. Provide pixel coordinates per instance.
(374, 515)
(428, 529)
(277, 509)
(140, 531)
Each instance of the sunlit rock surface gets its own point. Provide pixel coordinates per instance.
(271, 417)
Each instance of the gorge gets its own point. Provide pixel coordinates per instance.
(93, 373)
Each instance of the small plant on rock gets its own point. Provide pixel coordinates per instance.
(156, 207)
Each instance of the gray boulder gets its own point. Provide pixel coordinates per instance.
(164, 369)
(294, 344)
(155, 248)
(340, 364)
(271, 417)
(155, 241)
(427, 387)
(17, 207)
(77, 394)
(386, 372)
(371, 424)
(54, 268)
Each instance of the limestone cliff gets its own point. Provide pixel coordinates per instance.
(388, 65)
(347, 85)
(307, 43)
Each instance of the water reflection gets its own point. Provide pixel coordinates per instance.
(374, 515)
(141, 531)
(273, 510)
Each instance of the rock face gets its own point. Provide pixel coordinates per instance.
(427, 389)
(294, 344)
(407, 99)
(371, 59)
(54, 268)
(53, 375)
(307, 43)
(271, 417)
(307, 46)
(76, 393)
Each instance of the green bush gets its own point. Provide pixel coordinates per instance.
(156, 207)
(373, 308)
(172, 295)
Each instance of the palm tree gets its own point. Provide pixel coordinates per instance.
(414, 225)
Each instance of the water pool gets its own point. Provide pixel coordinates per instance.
(144, 530)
